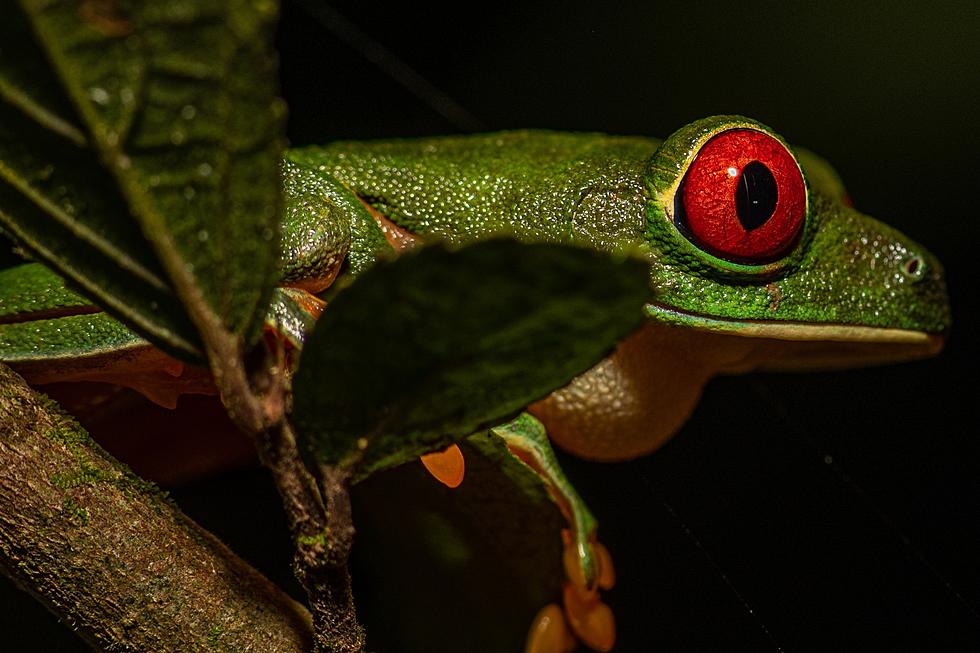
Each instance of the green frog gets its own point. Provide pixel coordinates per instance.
(757, 261)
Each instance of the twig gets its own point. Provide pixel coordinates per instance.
(323, 532)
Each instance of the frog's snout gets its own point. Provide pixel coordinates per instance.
(928, 300)
(885, 279)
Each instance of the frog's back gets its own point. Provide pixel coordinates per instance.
(536, 185)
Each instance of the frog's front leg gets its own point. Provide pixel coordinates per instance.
(316, 229)
(325, 229)
(588, 565)
(326, 222)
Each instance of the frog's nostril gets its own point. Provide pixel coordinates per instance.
(914, 267)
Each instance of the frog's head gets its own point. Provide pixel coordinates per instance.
(751, 239)
(757, 262)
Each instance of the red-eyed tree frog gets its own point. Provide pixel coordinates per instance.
(757, 261)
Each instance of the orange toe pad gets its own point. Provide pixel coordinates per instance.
(447, 465)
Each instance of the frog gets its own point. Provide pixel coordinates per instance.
(758, 261)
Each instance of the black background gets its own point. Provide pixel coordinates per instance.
(794, 512)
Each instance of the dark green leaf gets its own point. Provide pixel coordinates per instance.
(62, 205)
(437, 344)
(29, 84)
(141, 158)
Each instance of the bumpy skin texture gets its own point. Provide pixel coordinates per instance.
(617, 194)
(28, 294)
(608, 192)
(323, 225)
(851, 290)
(536, 185)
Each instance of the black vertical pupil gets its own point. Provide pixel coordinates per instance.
(756, 195)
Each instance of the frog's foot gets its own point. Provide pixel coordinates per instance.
(585, 617)
(291, 316)
(590, 619)
(605, 570)
(587, 563)
(549, 632)
(447, 466)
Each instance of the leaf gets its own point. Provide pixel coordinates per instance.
(61, 204)
(437, 344)
(166, 213)
(489, 549)
(29, 84)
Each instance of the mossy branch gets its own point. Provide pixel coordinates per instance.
(108, 553)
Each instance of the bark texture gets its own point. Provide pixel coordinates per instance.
(110, 555)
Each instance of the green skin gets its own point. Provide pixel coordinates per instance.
(596, 190)
(851, 291)
(609, 193)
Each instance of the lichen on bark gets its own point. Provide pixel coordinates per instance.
(110, 554)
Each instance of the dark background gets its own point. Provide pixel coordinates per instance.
(794, 512)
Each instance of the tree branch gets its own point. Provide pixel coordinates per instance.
(108, 553)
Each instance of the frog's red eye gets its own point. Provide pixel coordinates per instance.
(743, 198)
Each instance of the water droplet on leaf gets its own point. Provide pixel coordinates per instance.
(99, 95)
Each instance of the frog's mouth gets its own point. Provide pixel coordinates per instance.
(788, 345)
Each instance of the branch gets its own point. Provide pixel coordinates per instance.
(321, 524)
(109, 554)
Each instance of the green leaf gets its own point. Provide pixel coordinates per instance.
(58, 201)
(165, 209)
(437, 344)
(490, 549)
(26, 81)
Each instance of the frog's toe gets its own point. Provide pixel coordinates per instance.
(549, 633)
(607, 571)
(587, 562)
(447, 466)
(578, 561)
(590, 619)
